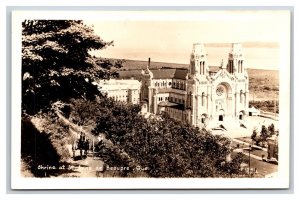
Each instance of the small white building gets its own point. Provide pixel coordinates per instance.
(126, 90)
(253, 111)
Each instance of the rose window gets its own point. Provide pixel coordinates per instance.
(220, 91)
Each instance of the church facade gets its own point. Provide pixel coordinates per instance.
(199, 93)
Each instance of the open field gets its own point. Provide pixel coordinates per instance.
(263, 84)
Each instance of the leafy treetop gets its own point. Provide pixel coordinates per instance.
(56, 64)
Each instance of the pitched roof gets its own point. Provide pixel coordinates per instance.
(167, 104)
(177, 73)
(180, 74)
(214, 68)
(169, 73)
(161, 73)
(171, 104)
(164, 90)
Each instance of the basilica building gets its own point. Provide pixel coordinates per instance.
(200, 93)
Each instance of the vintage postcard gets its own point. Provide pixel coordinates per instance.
(150, 99)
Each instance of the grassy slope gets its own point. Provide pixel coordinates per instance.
(263, 84)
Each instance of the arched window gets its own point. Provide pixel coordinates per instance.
(201, 69)
(220, 91)
(203, 99)
(177, 85)
(241, 96)
(242, 66)
(231, 66)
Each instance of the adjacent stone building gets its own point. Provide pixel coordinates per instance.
(127, 90)
(200, 92)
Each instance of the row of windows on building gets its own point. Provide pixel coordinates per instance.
(162, 84)
(163, 98)
(202, 67)
(123, 98)
(118, 91)
(119, 96)
(230, 66)
(219, 93)
(202, 99)
(171, 99)
(177, 84)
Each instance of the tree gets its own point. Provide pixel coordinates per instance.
(255, 137)
(163, 146)
(264, 133)
(57, 69)
(56, 64)
(271, 129)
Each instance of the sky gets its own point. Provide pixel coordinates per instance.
(169, 36)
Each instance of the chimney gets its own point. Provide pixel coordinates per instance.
(149, 62)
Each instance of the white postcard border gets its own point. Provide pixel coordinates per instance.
(19, 182)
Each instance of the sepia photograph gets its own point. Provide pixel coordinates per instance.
(151, 99)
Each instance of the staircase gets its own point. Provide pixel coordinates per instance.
(231, 127)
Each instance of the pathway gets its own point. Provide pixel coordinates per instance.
(90, 167)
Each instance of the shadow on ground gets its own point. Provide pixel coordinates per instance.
(37, 151)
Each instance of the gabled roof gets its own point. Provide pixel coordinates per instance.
(179, 73)
(169, 73)
(214, 68)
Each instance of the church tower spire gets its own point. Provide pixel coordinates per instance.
(236, 59)
(198, 62)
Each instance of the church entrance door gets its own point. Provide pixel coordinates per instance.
(220, 118)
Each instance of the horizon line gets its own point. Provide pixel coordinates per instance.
(146, 61)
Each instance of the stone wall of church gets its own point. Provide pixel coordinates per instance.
(213, 96)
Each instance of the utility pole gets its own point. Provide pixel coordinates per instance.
(249, 161)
